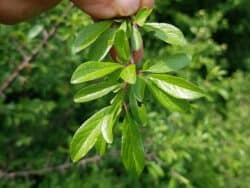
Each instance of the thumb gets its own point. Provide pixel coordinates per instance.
(147, 3)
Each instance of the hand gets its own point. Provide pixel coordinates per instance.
(105, 9)
(14, 11)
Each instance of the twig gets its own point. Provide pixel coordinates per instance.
(28, 58)
(40, 172)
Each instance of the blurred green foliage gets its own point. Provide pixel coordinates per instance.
(208, 148)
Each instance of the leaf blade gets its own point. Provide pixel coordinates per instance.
(176, 87)
(88, 35)
(132, 151)
(95, 91)
(93, 70)
(170, 64)
(111, 118)
(86, 136)
(142, 15)
(167, 32)
(102, 45)
(128, 74)
(122, 46)
(168, 102)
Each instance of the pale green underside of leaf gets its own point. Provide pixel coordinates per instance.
(132, 151)
(170, 64)
(136, 40)
(128, 74)
(166, 32)
(102, 45)
(177, 87)
(111, 118)
(93, 70)
(95, 91)
(168, 102)
(142, 16)
(86, 136)
(89, 34)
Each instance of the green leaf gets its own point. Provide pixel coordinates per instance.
(93, 70)
(102, 45)
(166, 32)
(128, 74)
(87, 135)
(142, 16)
(155, 170)
(132, 151)
(89, 34)
(122, 46)
(168, 102)
(170, 64)
(139, 112)
(177, 87)
(136, 39)
(35, 31)
(95, 91)
(101, 145)
(111, 117)
(139, 88)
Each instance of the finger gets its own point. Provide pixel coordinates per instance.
(147, 3)
(126, 7)
(99, 9)
(105, 9)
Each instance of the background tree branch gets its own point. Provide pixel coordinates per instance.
(27, 59)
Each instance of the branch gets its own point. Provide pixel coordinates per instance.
(31, 57)
(40, 172)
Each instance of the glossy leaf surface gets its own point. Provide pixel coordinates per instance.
(176, 87)
(102, 45)
(89, 34)
(170, 64)
(87, 135)
(122, 46)
(168, 102)
(95, 91)
(166, 32)
(128, 74)
(93, 70)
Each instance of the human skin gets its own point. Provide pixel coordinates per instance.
(15, 11)
(105, 9)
